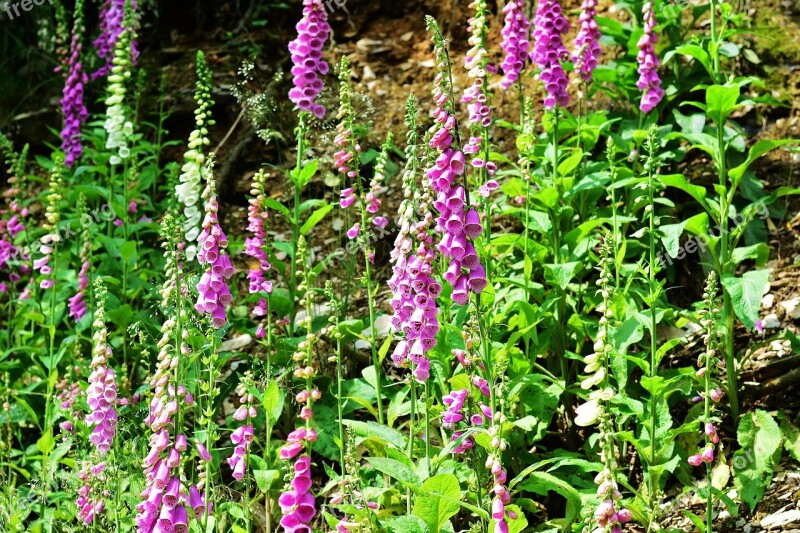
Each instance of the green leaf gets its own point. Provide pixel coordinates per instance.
(570, 163)
(760, 438)
(758, 252)
(273, 401)
(315, 218)
(275, 205)
(543, 483)
(374, 430)
(678, 181)
(307, 173)
(438, 501)
(560, 274)
(394, 469)
(757, 150)
(759, 432)
(265, 479)
(721, 101)
(692, 50)
(671, 237)
(746, 293)
(406, 524)
(46, 442)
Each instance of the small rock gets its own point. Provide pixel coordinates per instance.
(791, 307)
(428, 63)
(236, 343)
(407, 36)
(368, 74)
(771, 321)
(768, 301)
(780, 519)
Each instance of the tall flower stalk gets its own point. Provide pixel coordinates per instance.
(649, 81)
(516, 42)
(112, 24)
(610, 515)
(709, 364)
(348, 163)
(101, 395)
(414, 290)
(548, 51)
(72, 105)
(118, 124)
(296, 501)
(308, 66)
(257, 248)
(168, 495)
(194, 171)
(458, 224)
(213, 292)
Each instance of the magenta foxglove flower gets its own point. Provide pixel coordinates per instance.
(587, 42)
(649, 81)
(297, 503)
(414, 291)
(516, 41)
(309, 67)
(72, 105)
(102, 392)
(214, 294)
(549, 50)
(112, 21)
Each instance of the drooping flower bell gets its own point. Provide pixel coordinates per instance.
(548, 51)
(516, 42)
(649, 81)
(214, 294)
(587, 42)
(306, 50)
(72, 104)
(414, 291)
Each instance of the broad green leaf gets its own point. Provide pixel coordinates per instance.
(438, 500)
(721, 101)
(406, 524)
(394, 469)
(265, 479)
(571, 163)
(273, 401)
(759, 437)
(671, 237)
(307, 173)
(275, 205)
(560, 274)
(374, 430)
(692, 50)
(757, 150)
(678, 181)
(758, 252)
(746, 293)
(315, 218)
(543, 483)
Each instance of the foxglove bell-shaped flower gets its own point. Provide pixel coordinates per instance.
(72, 105)
(308, 66)
(649, 81)
(549, 50)
(214, 294)
(587, 42)
(516, 42)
